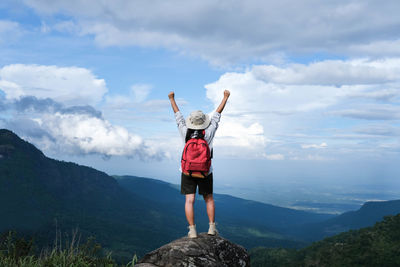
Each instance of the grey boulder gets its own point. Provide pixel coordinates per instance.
(205, 250)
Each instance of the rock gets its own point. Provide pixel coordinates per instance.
(205, 250)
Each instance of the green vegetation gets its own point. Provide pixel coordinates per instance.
(261, 257)
(370, 213)
(17, 252)
(42, 195)
(245, 222)
(127, 215)
(373, 246)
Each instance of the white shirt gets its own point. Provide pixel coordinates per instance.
(209, 131)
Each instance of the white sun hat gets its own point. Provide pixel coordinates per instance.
(197, 120)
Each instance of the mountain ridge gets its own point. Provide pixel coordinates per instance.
(46, 195)
(40, 191)
(367, 215)
(261, 220)
(376, 245)
(129, 214)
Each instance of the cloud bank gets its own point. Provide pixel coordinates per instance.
(276, 112)
(37, 104)
(234, 31)
(295, 109)
(69, 85)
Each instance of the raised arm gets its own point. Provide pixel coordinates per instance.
(223, 102)
(171, 97)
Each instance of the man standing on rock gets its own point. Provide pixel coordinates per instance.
(197, 129)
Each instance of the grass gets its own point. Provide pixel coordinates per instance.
(17, 252)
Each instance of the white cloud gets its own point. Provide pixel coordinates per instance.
(293, 104)
(137, 96)
(377, 48)
(52, 105)
(85, 134)
(232, 135)
(332, 72)
(140, 92)
(67, 26)
(384, 94)
(274, 156)
(44, 28)
(158, 105)
(320, 146)
(118, 101)
(69, 85)
(232, 31)
(75, 130)
(384, 130)
(310, 157)
(366, 112)
(301, 88)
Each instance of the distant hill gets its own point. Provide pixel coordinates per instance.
(367, 215)
(246, 222)
(277, 222)
(374, 246)
(133, 215)
(130, 214)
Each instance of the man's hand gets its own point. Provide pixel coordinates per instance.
(171, 95)
(227, 93)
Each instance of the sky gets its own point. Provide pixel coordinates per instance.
(315, 85)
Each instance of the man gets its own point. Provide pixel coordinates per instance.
(198, 121)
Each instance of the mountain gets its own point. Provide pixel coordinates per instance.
(246, 222)
(128, 214)
(373, 246)
(43, 197)
(40, 194)
(370, 213)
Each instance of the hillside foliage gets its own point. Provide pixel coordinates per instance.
(132, 215)
(43, 195)
(16, 251)
(128, 215)
(373, 246)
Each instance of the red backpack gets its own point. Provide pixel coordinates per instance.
(196, 156)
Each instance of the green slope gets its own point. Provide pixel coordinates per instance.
(37, 193)
(246, 222)
(373, 246)
(43, 194)
(367, 215)
(135, 215)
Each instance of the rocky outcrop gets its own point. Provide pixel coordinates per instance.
(205, 250)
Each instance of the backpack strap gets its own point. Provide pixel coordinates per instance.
(191, 174)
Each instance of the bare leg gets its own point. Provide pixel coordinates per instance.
(210, 207)
(189, 208)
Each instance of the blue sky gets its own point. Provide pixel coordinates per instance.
(315, 85)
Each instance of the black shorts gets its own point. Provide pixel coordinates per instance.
(189, 185)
